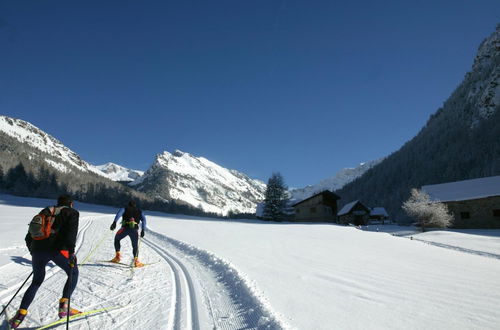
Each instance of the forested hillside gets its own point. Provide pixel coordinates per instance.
(460, 141)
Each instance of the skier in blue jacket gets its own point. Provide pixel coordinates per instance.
(131, 216)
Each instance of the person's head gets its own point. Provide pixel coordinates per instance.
(132, 204)
(65, 200)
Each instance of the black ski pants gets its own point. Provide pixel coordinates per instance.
(134, 238)
(40, 259)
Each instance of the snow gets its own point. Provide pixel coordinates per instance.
(464, 190)
(333, 183)
(58, 166)
(378, 211)
(251, 274)
(205, 184)
(347, 208)
(31, 135)
(117, 172)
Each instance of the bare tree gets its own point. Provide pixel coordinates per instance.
(427, 213)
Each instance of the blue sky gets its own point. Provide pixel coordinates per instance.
(305, 88)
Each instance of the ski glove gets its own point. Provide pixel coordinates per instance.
(113, 226)
(142, 233)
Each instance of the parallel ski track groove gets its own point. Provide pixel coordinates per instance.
(192, 309)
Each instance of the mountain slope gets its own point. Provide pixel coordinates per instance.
(119, 173)
(34, 163)
(201, 183)
(333, 183)
(460, 141)
(27, 136)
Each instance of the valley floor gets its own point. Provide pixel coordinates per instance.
(219, 274)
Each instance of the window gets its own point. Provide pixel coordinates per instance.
(496, 213)
(297, 211)
(313, 210)
(465, 215)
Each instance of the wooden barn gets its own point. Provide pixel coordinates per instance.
(321, 207)
(354, 212)
(474, 203)
(378, 215)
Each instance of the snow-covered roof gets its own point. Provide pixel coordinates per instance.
(379, 211)
(325, 193)
(347, 208)
(464, 190)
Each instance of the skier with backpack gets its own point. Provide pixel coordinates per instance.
(52, 237)
(131, 217)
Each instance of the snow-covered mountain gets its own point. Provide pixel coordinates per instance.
(201, 183)
(119, 173)
(20, 139)
(484, 92)
(333, 183)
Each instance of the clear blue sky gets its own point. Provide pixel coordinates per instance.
(301, 87)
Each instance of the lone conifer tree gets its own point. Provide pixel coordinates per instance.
(276, 198)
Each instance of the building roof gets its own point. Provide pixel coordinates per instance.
(328, 193)
(379, 211)
(464, 190)
(348, 207)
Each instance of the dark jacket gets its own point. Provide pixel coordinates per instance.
(66, 227)
(130, 213)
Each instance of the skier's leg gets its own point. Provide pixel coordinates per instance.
(63, 262)
(120, 234)
(134, 238)
(38, 261)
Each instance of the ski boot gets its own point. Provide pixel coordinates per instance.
(117, 257)
(16, 320)
(63, 308)
(137, 263)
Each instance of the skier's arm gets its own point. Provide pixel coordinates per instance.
(73, 220)
(143, 217)
(119, 214)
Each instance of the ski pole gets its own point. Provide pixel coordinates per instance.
(15, 294)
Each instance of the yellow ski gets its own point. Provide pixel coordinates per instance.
(81, 315)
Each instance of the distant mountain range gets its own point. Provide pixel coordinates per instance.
(333, 183)
(460, 141)
(178, 177)
(119, 173)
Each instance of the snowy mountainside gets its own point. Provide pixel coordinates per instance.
(333, 183)
(485, 93)
(117, 172)
(30, 141)
(201, 183)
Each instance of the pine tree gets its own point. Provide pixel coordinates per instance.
(276, 198)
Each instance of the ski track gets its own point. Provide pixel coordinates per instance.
(229, 302)
(188, 289)
(461, 249)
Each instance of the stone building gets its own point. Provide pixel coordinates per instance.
(474, 203)
(355, 212)
(321, 207)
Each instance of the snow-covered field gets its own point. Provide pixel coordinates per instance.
(217, 274)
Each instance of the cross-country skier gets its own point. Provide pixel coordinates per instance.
(59, 247)
(131, 216)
